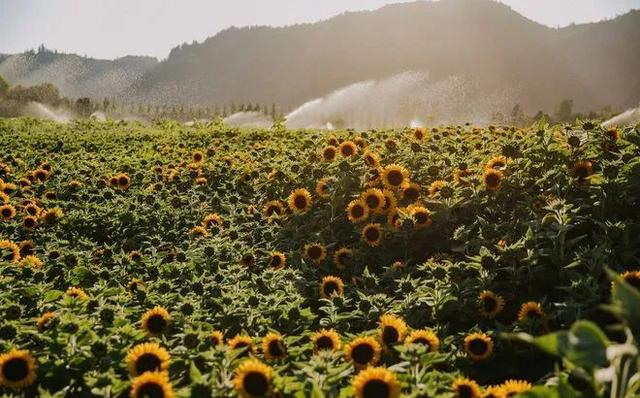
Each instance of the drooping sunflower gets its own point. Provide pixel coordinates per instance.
(152, 384)
(331, 285)
(212, 220)
(216, 338)
(315, 252)
(147, 357)
(389, 200)
(329, 153)
(7, 212)
(17, 369)
(326, 339)
(490, 304)
(392, 329)
(273, 346)
(436, 187)
(372, 234)
(374, 199)
(497, 163)
(155, 321)
(376, 383)
(421, 216)
(492, 179)
(278, 260)
(45, 321)
(530, 311)
(581, 171)
(511, 388)
(363, 352)
(198, 232)
(76, 292)
(40, 175)
(300, 200)
(342, 257)
(461, 177)
(410, 193)
(273, 207)
(395, 176)
(31, 261)
(240, 341)
(322, 188)
(51, 216)
(253, 379)
(371, 159)
(357, 211)
(478, 346)
(424, 337)
(348, 149)
(466, 388)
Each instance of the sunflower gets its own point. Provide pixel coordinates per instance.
(612, 134)
(212, 220)
(465, 388)
(26, 247)
(216, 338)
(76, 292)
(201, 180)
(315, 252)
(363, 351)
(242, 341)
(460, 177)
(326, 339)
(333, 141)
(478, 346)
(410, 192)
(493, 392)
(632, 278)
(273, 346)
(198, 232)
(357, 211)
(135, 285)
(29, 222)
(419, 133)
(376, 383)
(372, 234)
(4, 198)
(300, 200)
(322, 187)
(278, 260)
(40, 175)
(421, 216)
(152, 385)
(492, 179)
(147, 357)
(497, 163)
(393, 218)
(155, 321)
(197, 157)
(52, 216)
(395, 176)
(374, 199)
(273, 207)
(342, 257)
(329, 153)
(348, 149)
(371, 159)
(511, 388)
(45, 321)
(392, 329)
(389, 200)
(7, 212)
(436, 187)
(124, 181)
(581, 171)
(17, 369)
(424, 337)
(331, 285)
(31, 261)
(253, 379)
(490, 304)
(529, 311)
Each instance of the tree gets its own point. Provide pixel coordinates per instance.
(565, 110)
(4, 87)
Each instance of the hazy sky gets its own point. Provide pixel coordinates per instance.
(113, 28)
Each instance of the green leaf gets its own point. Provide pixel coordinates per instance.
(540, 392)
(194, 373)
(627, 298)
(587, 345)
(52, 295)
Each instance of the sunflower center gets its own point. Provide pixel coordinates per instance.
(347, 150)
(423, 341)
(147, 363)
(330, 288)
(533, 313)
(581, 172)
(478, 347)
(156, 323)
(372, 234)
(29, 222)
(6, 212)
(300, 202)
(362, 353)
(633, 280)
(492, 180)
(421, 217)
(276, 261)
(256, 384)
(271, 210)
(123, 181)
(390, 335)
(329, 153)
(373, 201)
(276, 348)
(150, 390)
(411, 194)
(357, 211)
(395, 177)
(314, 252)
(343, 258)
(465, 391)
(490, 304)
(15, 369)
(324, 343)
(376, 389)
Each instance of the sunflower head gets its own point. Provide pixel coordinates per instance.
(52, 216)
(493, 392)
(123, 181)
(436, 187)
(465, 388)
(326, 339)
(372, 234)
(45, 321)
(322, 188)
(198, 232)
(530, 311)
(395, 176)
(512, 388)
(389, 200)
(155, 321)
(632, 278)
(17, 369)
(363, 351)
(419, 133)
(342, 257)
(278, 260)
(300, 200)
(241, 341)
(376, 383)
(497, 163)
(315, 252)
(216, 338)
(76, 292)
(581, 171)
(392, 329)
(421, 216)
(410, 193)
(374, 199)
(273, 346)
(424, 337)
(253, 379)
(478, 346)
(273, 208)
(331, 285)
(357, 211)
(152, 384)
(31, 261)
(371, 159)
(147, 357)
(212, 220)
(490, 304)
(492, 179)
(329, 153)
(7, 212)
(197, 157)
(348, 149)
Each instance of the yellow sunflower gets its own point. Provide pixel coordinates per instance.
(52, 216)
(216, 338)
(348, 149)
(198, 232)
(31, 261)
(363, 351)
(123, 181)
(436, 187)
(77, 292)
(395, 176)
(581, 171)
(155, 321)
(371, 159)
(7, 212)
(197, 157)
(376, 383)
(419, 133)
(17, 369)
(242, 341)
(322, 187)
(326, 339)
(490, 304)
(374, 199)
(29, 222)
(342, 257)
(372, 234)
(466, 388)
(331, 285)
(357, 211)
(273, 346)
(329, 153)
(278, 260)
(529, 311)
(497, 163)
(511, 388)
(493, 392)
(632, 278)
(300, 200)
(424, 337)
(45, 321)
(478, 346)
(152, 384)
(392, 329)
(421, 216)
(315, 252)
(411, 192)
(389, 200)
(253, 379)
(492, 179)
(273, 207)
(212, 220)
(147, 357)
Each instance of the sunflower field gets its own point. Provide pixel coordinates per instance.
(160, 261)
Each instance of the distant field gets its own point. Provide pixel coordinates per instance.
(165, 260)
